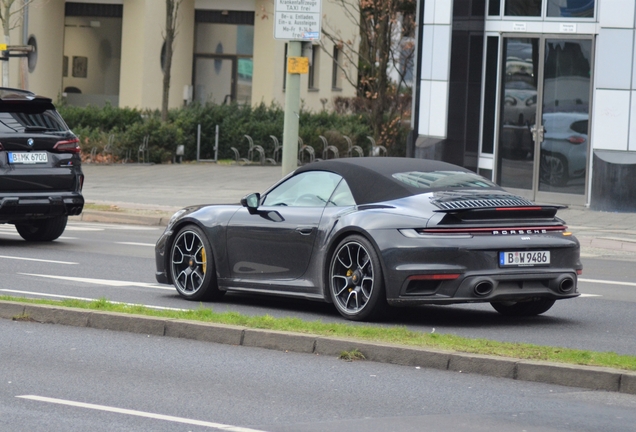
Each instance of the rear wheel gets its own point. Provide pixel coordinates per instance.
(553, 169)
(355, 280)
(192, 265)
(526, 308)
(42, 230)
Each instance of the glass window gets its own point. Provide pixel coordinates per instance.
(312, 81)
(342, 196)
(335, 71)
(30, 118)
(490, 94)
(307, 189)
(494, 7)
(443, 179)
(571, 8)
(285, 68)
(529, 8)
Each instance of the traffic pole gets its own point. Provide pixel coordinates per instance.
(292, 113)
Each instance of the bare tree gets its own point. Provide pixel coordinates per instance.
(172, 12)
(384, 51)
(11, 12)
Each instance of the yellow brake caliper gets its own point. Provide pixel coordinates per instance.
(204, 259)
(349, 274)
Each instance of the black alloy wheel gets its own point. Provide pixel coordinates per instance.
(532, 307)
(42, 230)
(356, 284)
(553, 169)
(192, 265)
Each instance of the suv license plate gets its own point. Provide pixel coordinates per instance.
(524, 259)
(28, 158)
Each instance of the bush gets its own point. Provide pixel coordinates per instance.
(129, 126)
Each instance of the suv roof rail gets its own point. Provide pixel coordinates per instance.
(7, 93)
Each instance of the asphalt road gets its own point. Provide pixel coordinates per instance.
(116, 262)
(59, 378)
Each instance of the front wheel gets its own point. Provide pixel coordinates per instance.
(42, 230)
(356, 284)
(526, 308)
(192, 265)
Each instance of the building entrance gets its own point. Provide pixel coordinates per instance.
(543, 145)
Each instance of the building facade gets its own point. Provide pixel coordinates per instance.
(111, 51)
(537, 95)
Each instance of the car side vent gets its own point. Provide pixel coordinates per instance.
(482, 203)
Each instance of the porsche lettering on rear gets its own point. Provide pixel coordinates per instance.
(519, 232)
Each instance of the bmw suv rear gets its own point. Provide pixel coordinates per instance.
(40, 166)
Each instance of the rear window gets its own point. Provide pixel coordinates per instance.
(443, 180)
(29, 117)
(579, 127)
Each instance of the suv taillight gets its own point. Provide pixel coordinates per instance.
(69, 146)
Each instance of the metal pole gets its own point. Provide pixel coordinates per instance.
(292, 109)
(216, 144)
(198, 142)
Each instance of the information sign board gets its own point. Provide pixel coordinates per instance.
(297, 19)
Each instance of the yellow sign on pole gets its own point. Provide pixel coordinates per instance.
(298, 65)
(3, 47)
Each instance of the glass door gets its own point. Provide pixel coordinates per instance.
(544, 121)
(520, 87)
(214, 79)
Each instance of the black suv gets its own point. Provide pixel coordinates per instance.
(40, 166)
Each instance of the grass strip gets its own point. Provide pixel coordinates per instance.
(394, 335)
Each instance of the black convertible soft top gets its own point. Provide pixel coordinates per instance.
(371, 179)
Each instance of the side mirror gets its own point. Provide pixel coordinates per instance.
(251, 201)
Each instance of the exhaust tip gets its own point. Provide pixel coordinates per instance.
(566, 285)
(483, 288)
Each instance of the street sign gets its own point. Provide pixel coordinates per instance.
(298, 65)
(297, 19)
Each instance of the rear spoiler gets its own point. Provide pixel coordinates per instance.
(499, 213)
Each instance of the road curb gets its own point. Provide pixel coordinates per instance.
(594, 378)
(121, 218)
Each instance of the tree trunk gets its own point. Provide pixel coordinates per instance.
(6, 26)
(172, 8)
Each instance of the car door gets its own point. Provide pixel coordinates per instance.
(276, 242)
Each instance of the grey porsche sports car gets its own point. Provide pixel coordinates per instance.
(369, 233)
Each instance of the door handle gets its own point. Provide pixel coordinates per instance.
(305, 230)
(537, 133)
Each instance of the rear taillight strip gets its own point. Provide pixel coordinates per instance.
(68, 146)
(493, 230)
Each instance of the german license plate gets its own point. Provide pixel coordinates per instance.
(28, 158)
(525, 258)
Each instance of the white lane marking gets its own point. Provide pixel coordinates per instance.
(83, 228)
(38, 260)
(117, 227)
(591, 295)
(91, 299)
(135, 244)
(607, 282)
(219, 426)
(106, 282)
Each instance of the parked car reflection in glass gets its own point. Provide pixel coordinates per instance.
(564, 149)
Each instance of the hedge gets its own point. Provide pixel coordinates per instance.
(128, 127)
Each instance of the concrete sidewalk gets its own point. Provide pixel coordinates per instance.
(149, 194)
